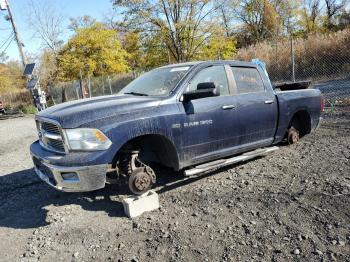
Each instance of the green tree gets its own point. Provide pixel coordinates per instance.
(155, 53)
(132, 45)
(220, 46)
(92, 51)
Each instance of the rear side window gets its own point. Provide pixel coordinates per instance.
(247, 80)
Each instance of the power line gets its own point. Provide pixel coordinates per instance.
(19, 43)
(8, 44)
(4, 43)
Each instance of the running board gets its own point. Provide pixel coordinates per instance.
(225, 162)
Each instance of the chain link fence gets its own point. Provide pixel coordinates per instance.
(322, 59)
(90, 87)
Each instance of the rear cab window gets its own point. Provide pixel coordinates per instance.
(247, 80)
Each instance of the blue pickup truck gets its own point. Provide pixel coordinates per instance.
(191, 117)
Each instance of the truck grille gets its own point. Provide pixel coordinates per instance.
(51, 128)
(50, 136)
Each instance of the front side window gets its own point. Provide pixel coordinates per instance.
(247, 80)
(158, 82)
(216, 74)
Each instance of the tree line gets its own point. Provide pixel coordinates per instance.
(140, 35)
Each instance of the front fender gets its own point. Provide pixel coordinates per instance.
(124, 132)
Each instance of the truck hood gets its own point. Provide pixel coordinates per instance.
(82, 112)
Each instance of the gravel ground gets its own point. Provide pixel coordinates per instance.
(291, 205)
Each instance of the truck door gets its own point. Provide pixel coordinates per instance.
(208, 126)
(257, 110)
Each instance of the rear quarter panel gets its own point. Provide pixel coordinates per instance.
(290, 102)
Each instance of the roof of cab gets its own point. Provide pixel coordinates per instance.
(230, 62)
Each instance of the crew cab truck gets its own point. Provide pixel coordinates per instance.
(191, 117)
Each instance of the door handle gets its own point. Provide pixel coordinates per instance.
(226, 107)
(269, 102)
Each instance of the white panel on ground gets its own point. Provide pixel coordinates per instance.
(137, 205)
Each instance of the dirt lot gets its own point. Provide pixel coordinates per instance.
(291, 205)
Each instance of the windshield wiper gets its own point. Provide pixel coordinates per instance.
(135, 94)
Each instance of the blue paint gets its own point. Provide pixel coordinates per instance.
(199, 130)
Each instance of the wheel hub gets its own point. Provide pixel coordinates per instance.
(295, 138)
(142, 181)
(140, 177)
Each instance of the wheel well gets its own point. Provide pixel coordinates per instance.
(301, 120)
(153, 148)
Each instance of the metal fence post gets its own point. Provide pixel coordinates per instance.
(77, 90)
(292, 57)
(110, 85)
(103, 85)
(81, 84)
(89, 86)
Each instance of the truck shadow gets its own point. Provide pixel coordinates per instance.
(25, 200)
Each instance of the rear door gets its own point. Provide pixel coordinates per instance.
(257, 110)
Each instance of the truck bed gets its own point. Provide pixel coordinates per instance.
(292, 101)
(287, 86)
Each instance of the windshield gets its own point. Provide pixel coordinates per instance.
(158, 82)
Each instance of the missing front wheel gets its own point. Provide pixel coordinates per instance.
(140, 177)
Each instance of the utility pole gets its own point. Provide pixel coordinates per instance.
(19, 43)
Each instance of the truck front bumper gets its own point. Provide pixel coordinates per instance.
(69, 178)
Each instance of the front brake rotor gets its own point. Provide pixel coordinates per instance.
(140, 181)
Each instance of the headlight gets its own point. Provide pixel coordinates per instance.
(86, 139)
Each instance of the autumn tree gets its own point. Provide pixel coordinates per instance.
(47, 68)
(92, 51)
(182, 27)
(220, 46)
(11, 79)
(132, 45)
(344, 20)
(259, 20)
(288, 12)
(310, 16)
(333, 9)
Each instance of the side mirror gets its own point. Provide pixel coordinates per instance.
(207, 89)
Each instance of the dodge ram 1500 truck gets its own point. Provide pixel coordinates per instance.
(191, 117)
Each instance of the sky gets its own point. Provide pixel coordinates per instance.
(69, 8)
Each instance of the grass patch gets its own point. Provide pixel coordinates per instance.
(27, 109)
